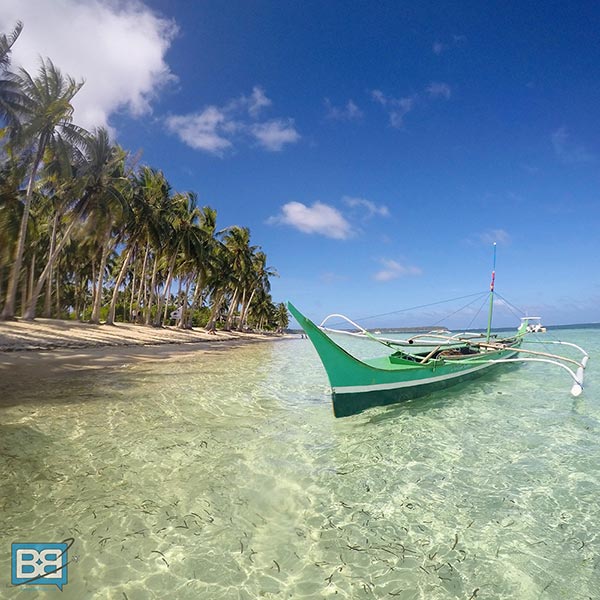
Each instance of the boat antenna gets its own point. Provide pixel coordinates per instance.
(489, 325)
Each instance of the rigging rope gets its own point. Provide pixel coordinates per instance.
(477, 313)
(395, 312)
(485, 294)
(517, 312)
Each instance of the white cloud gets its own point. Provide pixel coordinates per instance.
(567, 150)
(118, 48)
(319, 218)
(436, 89)
(397, 108)
(252, 104)
(203, 131)
(349, 112)
(273, 135)
(216, 129)
(258, 101)
(369, 208)
(393, 269)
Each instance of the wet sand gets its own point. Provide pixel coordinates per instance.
(33, 351)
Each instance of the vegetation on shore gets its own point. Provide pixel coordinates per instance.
(87, 233)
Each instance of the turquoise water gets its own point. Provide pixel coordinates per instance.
(225, 476)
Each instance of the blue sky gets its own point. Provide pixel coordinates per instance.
(375, 149)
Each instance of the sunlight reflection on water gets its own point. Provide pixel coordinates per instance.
(226, 476)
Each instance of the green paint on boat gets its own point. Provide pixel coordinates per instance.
(360, 384)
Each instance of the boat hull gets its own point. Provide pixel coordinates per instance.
(348, 402)
(358, 385)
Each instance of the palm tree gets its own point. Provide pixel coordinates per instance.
(258, 280)
(133, 231)
(6, 43)
(11, 98)
(92, 193)
(237, 241)
(282, 316)
(106, 205)
(219, 279)
(46, 117)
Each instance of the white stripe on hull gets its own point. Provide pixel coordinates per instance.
(358, 389)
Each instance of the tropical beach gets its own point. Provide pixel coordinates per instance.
(268, 274)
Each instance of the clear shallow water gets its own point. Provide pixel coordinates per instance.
(226, 476)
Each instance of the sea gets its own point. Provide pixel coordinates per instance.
(225, 475)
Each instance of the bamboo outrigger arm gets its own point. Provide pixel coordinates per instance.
(555, 359)
(577, 377)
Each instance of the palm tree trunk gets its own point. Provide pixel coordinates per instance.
(212, 321)
(232, 308)
(143, 280)
(184, 311)
(163, 299)
(57, 299)
(113, 302)
(31, 276)
(133, 282)
(11, 293)
(152, 288)
(246, 309)
(240, 326)
(29, 313)
(166, 302)
(77, 294)
(24, 287)
(95, 318)
(197, 292)
(48, 298)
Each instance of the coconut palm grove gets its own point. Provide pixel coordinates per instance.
(88, 232)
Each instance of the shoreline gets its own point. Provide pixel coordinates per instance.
(53, 334)
(49, 346)
(33, 354)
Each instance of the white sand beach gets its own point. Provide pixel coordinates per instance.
(48, 334)
(45, 346)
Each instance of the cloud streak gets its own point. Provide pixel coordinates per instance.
(568, 151)
(438, 89)
(491, 236)
(368, 208)
(398, 108)
(348, 112)
(392, 269)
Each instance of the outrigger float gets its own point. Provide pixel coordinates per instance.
(443, 359)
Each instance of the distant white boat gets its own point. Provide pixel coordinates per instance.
(536, 326)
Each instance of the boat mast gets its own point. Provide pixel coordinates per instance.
(489, 325)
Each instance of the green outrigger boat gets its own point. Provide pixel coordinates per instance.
(442, 360)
